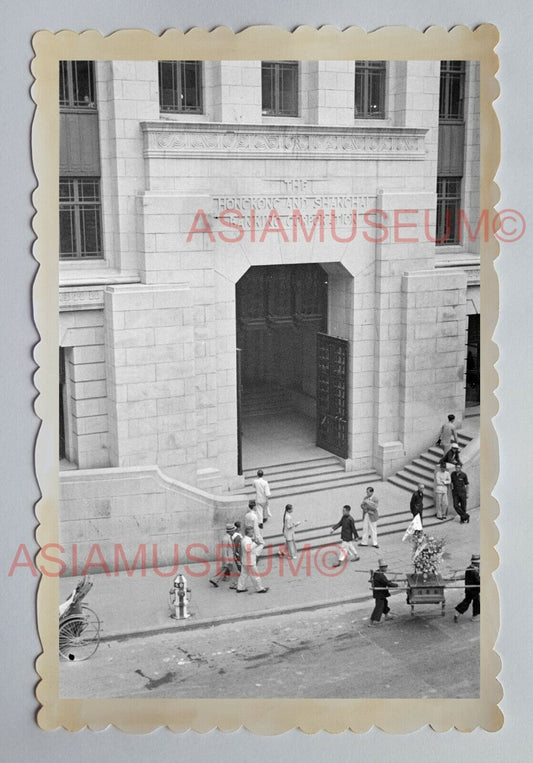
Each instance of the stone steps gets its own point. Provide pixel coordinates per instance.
(310, 476)
(422, 469)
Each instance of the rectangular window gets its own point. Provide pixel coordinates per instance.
(279, 87)
(452, 90)
(448, 206)
(370, 79)
(180, 87)
(76, 85)
(80, 227)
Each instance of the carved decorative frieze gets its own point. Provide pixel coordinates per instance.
(182, 141)
(81, 298)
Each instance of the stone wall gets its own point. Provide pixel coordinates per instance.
(138, 507)
(82, 337)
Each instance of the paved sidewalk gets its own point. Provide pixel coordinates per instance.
(137, 604)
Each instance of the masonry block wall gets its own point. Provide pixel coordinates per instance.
(113, 517)
(433, 354)
(82, 337)
(150, 348)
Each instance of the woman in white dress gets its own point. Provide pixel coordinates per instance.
(288, 532)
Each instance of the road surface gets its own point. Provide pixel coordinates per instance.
(329, 653)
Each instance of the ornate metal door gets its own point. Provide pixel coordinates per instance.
(332, 394)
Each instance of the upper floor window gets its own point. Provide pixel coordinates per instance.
(180, 87)
(80, 227)
(279, 86)
(448, 208)
(76, 85)
(370, 78)
(452, 90)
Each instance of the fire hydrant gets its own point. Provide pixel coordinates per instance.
(179, 598)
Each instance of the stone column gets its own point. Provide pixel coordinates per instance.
(433, 326)
(150, 352)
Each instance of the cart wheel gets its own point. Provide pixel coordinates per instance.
(79, 636)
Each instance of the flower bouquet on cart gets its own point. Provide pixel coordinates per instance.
(427, 554)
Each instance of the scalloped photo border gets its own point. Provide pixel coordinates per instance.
(260, 716)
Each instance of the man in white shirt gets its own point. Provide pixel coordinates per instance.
(442, 480)
(262, 495)
(251, 520)
(249, 571)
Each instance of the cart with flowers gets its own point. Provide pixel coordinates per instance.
(426, 585)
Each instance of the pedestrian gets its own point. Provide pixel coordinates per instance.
(417, 501)
(225, 558)
(442, 480)
(380, 592)
(262, 497)
(370, 518)
(472, 585)
(252, 520)
(452, 456)
(236, 540)
(288, 532)
(460, 493)
(447, 434)
(249, 571)
(348, 536)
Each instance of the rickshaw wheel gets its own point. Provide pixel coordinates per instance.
(79, 636)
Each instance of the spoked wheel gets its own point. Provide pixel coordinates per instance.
(79, 636)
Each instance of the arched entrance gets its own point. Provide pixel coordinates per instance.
(280, 311)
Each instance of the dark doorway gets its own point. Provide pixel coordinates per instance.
(473, 362)
(280, 310)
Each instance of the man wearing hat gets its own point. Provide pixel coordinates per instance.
(472, 583)
(452, 456)
(380, 590)
(225, 558)
(417, 501)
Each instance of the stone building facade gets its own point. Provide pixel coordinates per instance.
(207, 207)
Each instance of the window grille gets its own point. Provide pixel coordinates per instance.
(370, 81)
(448, 206)
(180, 87)
(452, 90)
(76, 85)
(279, 87)
(80, 227)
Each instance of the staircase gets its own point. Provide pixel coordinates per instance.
(310, 476)
(422, 470)
(325, 473)
(265, 401)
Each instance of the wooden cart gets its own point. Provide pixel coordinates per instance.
(428, 589)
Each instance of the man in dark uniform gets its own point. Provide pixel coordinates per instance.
(417, 501)
(348, 535)
(460, 493)
(380, 590)
(472, 583)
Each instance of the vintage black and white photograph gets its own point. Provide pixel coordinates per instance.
(269, 378)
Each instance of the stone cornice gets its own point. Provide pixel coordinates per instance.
(470, 266)
(186, 140)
